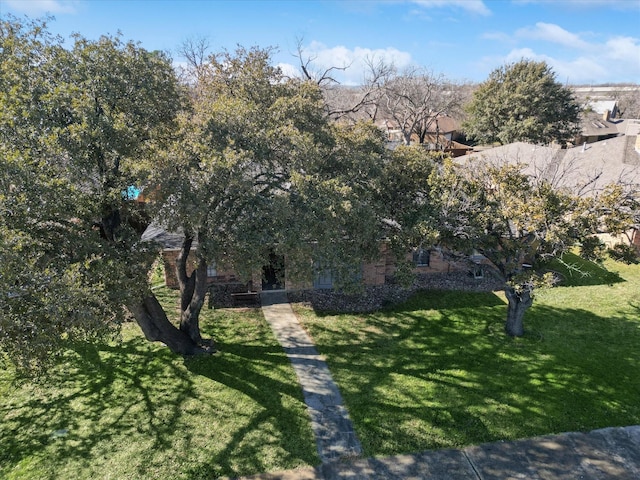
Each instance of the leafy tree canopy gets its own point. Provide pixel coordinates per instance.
(259, 168)
(515, 220)
(522, 101)
(77, 126)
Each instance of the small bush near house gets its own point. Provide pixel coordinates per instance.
(624, 253)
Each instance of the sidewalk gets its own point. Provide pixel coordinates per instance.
(610, 453)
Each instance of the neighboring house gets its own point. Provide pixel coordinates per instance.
(605, 162)
(391, 129)
(444, 126)
(442, 135)
(607, 107)
(599, 123)
(597, 127)
(453, 148)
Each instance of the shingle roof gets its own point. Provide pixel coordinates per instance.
(444, 124)
(609, 161)
(595, 125)
(167, 240)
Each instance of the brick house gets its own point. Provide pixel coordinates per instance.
(275, 277)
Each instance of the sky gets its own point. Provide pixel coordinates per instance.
(584, 41)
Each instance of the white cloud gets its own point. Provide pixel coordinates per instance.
(552, 33)
(578, 70)
(289, 70)
(471, 6)
(353, 61)
(616, 59)
(39, 7)
(619, 4)
(626, 49)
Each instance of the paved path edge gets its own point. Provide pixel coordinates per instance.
(607, 453)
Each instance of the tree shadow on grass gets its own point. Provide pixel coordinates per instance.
(106, 399)
(257, 372)
(573, 271)
(98, 396)
(440, 372)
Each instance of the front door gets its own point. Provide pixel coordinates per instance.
(273, 274)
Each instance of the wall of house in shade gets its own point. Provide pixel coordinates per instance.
(635, 239)
(373, 273)
(436, 263)
(631, 237)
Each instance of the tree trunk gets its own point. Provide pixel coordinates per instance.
(518, 304)
(157, 328)
(193, 289)
(189, 318)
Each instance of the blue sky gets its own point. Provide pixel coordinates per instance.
(584, 41)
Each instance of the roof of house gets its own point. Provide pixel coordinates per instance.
(594, 125)
(444, 124)
(167, 240)
(601, 106)
(440, 140)
(607, 161)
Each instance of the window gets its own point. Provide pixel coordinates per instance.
(421, 257)
(323, 276)
(211, 270)
(477, 258)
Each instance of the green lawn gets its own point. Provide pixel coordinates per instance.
(439, 372)
(133, 410)
(435, 372)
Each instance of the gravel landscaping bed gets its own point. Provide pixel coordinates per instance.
(374, 298)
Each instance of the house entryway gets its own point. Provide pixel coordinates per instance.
(273, 274)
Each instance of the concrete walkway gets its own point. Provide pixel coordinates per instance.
(606, 454)
(610, 453)
(335, 437)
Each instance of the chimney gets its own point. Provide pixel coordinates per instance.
(606, 115)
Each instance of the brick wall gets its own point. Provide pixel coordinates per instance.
(437, 264)
(635, 239)
(374, 273)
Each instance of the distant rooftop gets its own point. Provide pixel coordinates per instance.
(606, 161)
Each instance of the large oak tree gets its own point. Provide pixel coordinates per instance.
(240, 159)
(522, 101)
(517, 220)
(78, 125)
(259, 169)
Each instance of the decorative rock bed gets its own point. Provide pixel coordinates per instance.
(374, 298)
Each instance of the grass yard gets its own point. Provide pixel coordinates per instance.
(133, 410)
(439, 372)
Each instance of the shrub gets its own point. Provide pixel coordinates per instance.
(593, 249)
(624, 253)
